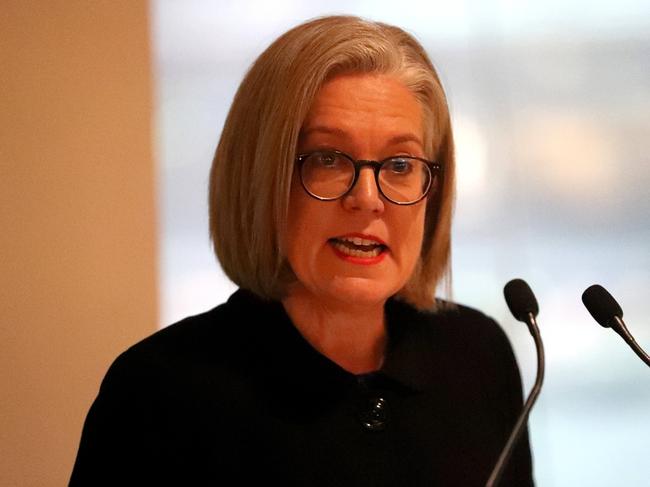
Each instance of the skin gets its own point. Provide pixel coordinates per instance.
(338, 304)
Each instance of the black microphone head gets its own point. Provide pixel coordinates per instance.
(520, 299)
(602, 305)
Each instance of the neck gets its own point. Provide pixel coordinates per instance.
(354, 337)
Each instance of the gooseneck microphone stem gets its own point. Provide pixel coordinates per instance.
(619, 327)
(495, 477)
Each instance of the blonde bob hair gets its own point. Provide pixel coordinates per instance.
(251, 173)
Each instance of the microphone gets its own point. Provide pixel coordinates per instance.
(608, 313)
(523, 306)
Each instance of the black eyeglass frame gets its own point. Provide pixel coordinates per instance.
(433, 167)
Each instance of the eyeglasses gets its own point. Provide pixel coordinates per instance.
(402, 180)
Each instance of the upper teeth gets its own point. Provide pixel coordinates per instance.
(360, 241)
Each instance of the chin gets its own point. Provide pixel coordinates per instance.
(361, 291)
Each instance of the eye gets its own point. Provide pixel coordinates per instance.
(327, 160)
(399, 165)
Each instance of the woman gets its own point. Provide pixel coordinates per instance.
(330, 206)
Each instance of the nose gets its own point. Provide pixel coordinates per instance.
(365, 194)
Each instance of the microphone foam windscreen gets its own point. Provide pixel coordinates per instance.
(520, 299)
(602, 305)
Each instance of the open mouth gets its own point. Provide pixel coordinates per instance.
(358, 247)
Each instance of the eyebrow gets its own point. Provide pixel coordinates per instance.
(397, 139)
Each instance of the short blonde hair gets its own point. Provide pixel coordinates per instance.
(251, 173)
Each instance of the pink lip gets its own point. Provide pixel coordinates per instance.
(361, 260)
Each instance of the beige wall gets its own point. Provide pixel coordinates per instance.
(77, 262)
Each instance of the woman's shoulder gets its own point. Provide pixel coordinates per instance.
(199, 341)
(452, 337)
(447, 319)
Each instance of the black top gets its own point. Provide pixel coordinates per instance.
(236, 395)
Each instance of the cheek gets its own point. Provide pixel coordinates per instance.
(304, 226)
(411, 233)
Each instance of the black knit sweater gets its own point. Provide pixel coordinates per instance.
(236, 396)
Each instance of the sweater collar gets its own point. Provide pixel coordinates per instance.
(407, 357)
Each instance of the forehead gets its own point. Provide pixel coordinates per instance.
(365, 106)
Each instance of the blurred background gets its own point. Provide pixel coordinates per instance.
(111, 115)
